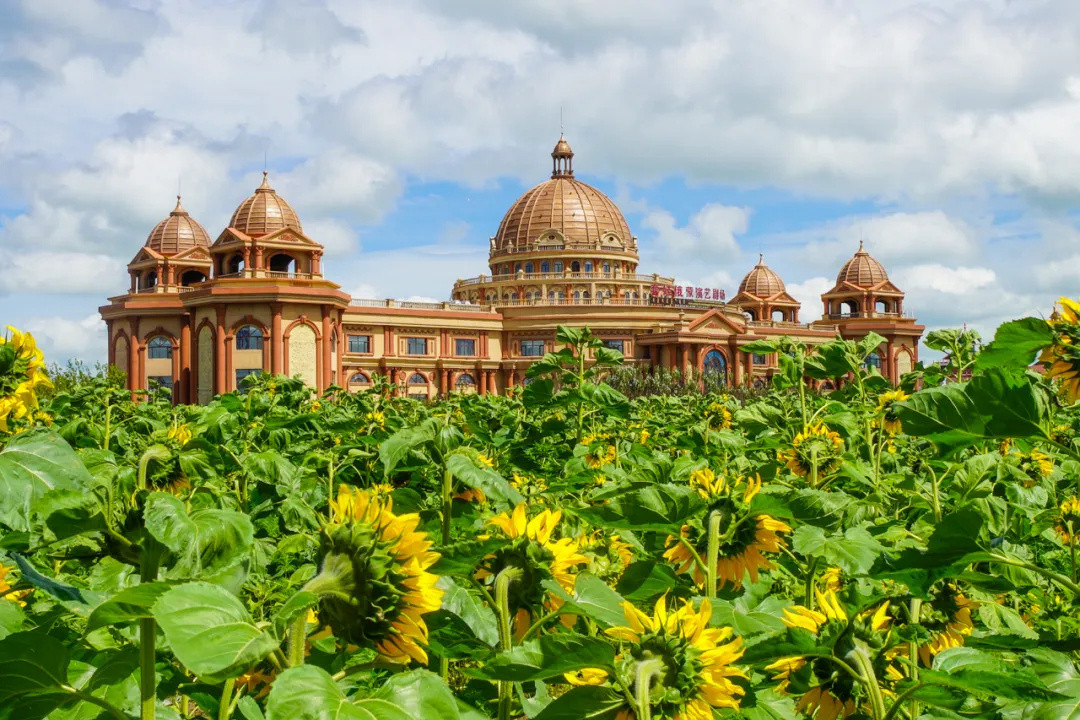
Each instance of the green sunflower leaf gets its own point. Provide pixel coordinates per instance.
(547, 657)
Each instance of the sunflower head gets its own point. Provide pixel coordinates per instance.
(1068, 524)
(1062, 358)
(696, 662)
(607, 554)
(528, 484)
(22, 375)
(6, 593)
(532, 549)
(374, 583)
(376, 418)
(718, 416)
(947, 620)
(745, 537)
(816, 446)
(886, 410)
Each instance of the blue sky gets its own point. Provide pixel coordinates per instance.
(943, 134)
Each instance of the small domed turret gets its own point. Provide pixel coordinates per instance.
(177, 233)
(862, 270)
(264, 212)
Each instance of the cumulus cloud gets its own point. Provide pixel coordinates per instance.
(709, 235)
(60, 272)
(66, 337)
(942, 279)
(808, 293)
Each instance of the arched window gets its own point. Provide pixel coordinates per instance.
(249, 337)
(159, 348)
(588, 266)
(283, 263)
(545, 267)
(528, 267)
(517, 268)
(234, 265)
(575, 266)
(192, 277)
(778, 316)
(577, 295)
(417, 379)
(873, 360)
(558, 266)
(359, 378)
(150, 280)
(715, 366)
(506, 269)
(607, 268)
(465, 379)
(749, 314)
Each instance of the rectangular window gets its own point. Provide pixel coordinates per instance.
(159, 351)
(558, 266)
(416, 346)
(532, 348)
(759, 359)
(243, 373)
(165, 381)
(464, 348)
(360, 343)
(615, 345)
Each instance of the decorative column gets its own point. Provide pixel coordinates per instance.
(315, 262)
(889, 366)
(112, 341)
(133, 355)
(340, 349)
(493, 380)
(484, 376)
(184, 377)
(219, 354)
(277, 347)
(178, 384)
(327, 372)
(142, 367)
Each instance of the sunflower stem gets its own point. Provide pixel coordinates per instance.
(808, 593)
(502, 601)
(644, 673)
(695, 554)
(913, 656)
(330, 491)
(861, 661)
(447, 505)
(899, 701)
(154, 452)
(713, 551)
(297, 640)
(813, 466)
(935, 495)
(1049, 574)
(1072, 548)
(148, 571)
(225, 708)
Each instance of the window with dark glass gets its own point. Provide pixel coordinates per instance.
(545, 267)
(359, 379)
(558, 266)
(607, 268)
(417, 379)
(758, 359)
(528, 267)
(165, 381)
(359, 343)
(465, 379)
(416, 346)
(464, 347)
(615, 344)
(873, 360)
(249, 337)
(588, 266)
(532, 348)
(517, 268)
(159, 348)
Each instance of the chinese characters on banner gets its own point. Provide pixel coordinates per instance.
(687, 293)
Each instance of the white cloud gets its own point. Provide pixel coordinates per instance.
(808, 293)
(942, 279)
(64, 337)
(61, 272)
(709, 235)
(337, 237)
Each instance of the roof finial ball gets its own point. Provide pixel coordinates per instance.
(562, 159)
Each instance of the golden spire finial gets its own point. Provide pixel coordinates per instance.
(179, 209)
(266, 181)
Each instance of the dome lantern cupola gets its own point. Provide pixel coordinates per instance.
(862, 270)
(177, 233)
(562, 159)
(863, 290)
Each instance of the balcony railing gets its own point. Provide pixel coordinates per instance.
(410, 305)
(566, 275)
(165, 289)
(875, 314)
(786, 325)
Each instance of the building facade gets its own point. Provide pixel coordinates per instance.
(200, 314)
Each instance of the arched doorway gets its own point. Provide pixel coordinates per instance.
(715, 367)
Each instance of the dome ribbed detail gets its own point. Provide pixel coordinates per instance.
(177, 233)
(862, 270)
(762, 281)
(565, 211)
(264, 212)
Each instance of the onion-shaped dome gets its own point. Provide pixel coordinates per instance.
(177, 233)
(264, 212)
(762, 281)
(574, 212)
(862, 270)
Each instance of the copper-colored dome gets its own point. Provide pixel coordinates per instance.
(264, 212)
(761, 281)
(862, 270)
(577, 212)
(177, 233)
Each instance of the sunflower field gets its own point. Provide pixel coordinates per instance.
(558, 553)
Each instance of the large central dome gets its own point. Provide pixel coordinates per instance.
(563, 213)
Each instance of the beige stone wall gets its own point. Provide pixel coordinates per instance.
(206, 365)
(158, 367)
(302, 354)
(903, 363)
(248, 359)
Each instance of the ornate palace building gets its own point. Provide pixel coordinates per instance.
(200, 313)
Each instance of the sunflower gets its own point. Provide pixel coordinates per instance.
(374, 584)
(827, 692)
(1062, 358)
(586, 676)
(815, 447)
(531, 547)
(1036, 465)
(600, 455)
(528, 484)
(6, 593)
(886, 408)
(1068, 525)
(22, 373)
(376, 418)
(180, 433)
(697, 660)
(745, 536)
(948, 618)
(718, 416)
(471, 495)
(607, 554)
